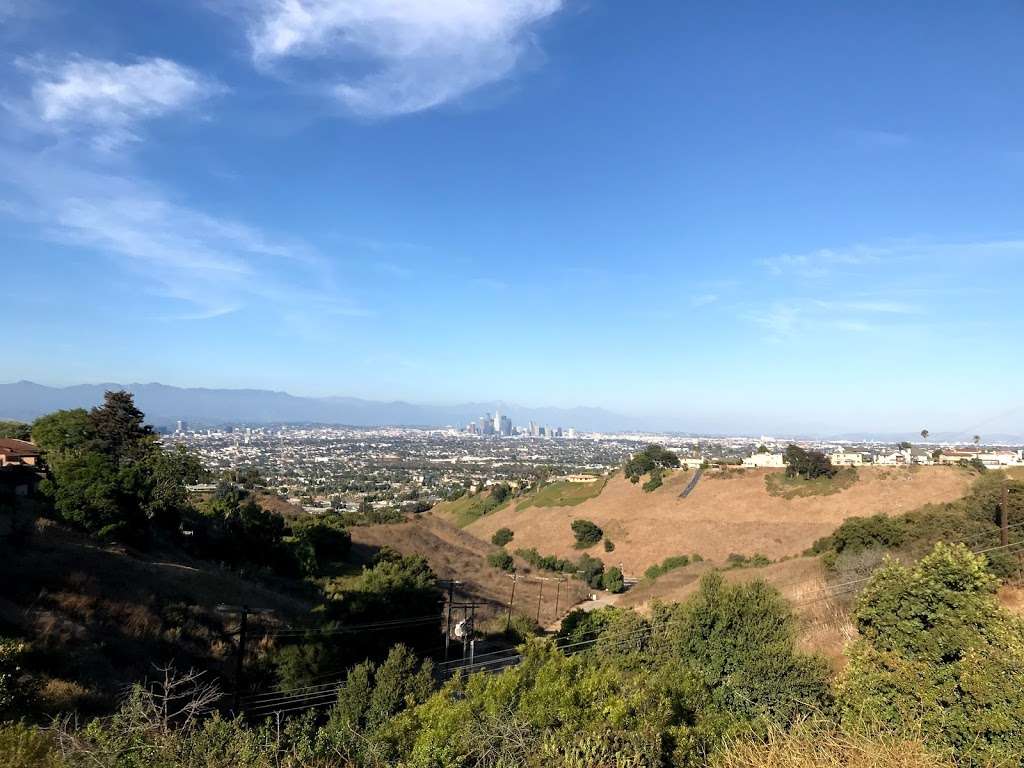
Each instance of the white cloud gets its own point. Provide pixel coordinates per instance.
(393, 57)
(821, 262)
(105, 100)
(205, 265)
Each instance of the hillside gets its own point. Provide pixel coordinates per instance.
(721, 516)
(101, 617)
(455, 554)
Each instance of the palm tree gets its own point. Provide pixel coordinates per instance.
(924, 434)
(977, 440)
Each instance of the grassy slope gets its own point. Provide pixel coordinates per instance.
(456, 554)
(99, 617)
(778, 484)
(467, 509)
(562, 494)
(720, 516)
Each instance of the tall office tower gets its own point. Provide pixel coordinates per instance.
(497, 422)
(506, 426)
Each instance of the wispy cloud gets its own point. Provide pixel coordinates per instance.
(207, 266)
(393, 57)
(880, 307)
(827, 261)
(105, 101)
(703, 300)
(879, 139)
(823, 261)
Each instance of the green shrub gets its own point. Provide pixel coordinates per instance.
(502, 536)
(666, 565)
(591, 570)
(653, 483)
(587, 533)
(609, 545)
(940, 658)
(501, 559)
(613, 581)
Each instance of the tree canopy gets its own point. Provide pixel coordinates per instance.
(650, 459)
(807, 464)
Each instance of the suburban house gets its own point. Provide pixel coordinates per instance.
(992, 459)
(764, 461)
(20, 466)
(846, 459)
(691, 462)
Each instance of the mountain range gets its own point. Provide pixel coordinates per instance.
(164, 405)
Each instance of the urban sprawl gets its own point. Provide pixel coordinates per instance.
(411, 469)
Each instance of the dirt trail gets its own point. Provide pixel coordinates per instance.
(720, 516)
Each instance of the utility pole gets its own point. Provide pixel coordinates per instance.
(243, 612)
(1004, 518)
(448, 615)
(540, 596)
(508, 622)
(558, 590)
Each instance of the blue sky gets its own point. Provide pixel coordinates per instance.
(742, 216)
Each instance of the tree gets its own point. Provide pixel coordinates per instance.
(939, 657)
(591, 570)
(809, 464)
(653, 457)
(587, 533)
(500, 492)
(977, 439)
(924, 434)
(502, 536)
(61, 433)
(613, 581)
(121, 429)
(15, 430)
(90, 493)
(169, 472)
(741, 640)
(906, 445)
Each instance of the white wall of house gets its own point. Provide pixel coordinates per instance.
(763, 461)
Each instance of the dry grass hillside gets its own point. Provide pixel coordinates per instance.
(100, 617)
(455, 554)
(721, 516)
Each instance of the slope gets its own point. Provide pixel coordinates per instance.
(733, 513)
(455, 554)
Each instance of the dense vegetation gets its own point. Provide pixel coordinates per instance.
(652, 460)
(586, 533)
(807, 464)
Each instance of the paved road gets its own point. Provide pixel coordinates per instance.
(692, 484)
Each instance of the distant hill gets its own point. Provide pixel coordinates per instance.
(164, 405)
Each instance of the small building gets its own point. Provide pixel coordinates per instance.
(764, 461)
(21, 466)
(846, 459)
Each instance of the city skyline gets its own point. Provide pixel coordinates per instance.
(802, 217)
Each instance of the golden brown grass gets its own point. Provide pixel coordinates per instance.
(811, 746)
(455, 554)
(719, 517)
(779, 484)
